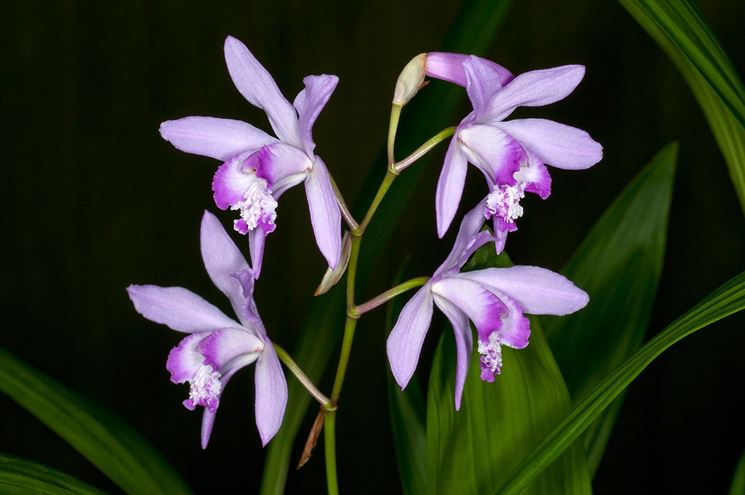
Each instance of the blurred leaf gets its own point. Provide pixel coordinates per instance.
(479, 20)
(110, 444)
(726, 300)
(619, 264)
(473, 450)
(679, 28)
(20, 477)
(738, 480)
(407, 411)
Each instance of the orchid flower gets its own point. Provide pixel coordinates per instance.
(511, 154)
(257, 168)
(494, 299)
(217, 346)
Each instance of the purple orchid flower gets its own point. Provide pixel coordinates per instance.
(217, 346)
(511, 154)
(494, 299)
(258, 167)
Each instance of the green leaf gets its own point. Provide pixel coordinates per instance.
(726, 300)
(20, 477)
(407, 411)
(738, 480)
(472, 451)
(678, 27)
(619, 264)
(110, 444)
(472, 32)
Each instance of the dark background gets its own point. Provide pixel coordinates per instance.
(94, 200)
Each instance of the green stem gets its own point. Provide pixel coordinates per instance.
(392, 128)
(423, 149)
(345, 212)
(329, 441)
(303, 378)
(386, 296)
(351, 322)
(382, 190)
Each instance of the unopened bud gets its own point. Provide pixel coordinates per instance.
(410, 81)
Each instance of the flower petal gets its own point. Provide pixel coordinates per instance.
(222, 259)
(534, 174)
(208, 416)
(449, 67)
(556, 144)
(258, 87)
(534, 89)
(184, 360)
(482, 81)
(208, 421)
(284, 166)
(221, 347)
(515, 331)
(271, 394)
(309, 103)
(324, 212)
(233, 178)
(216, 138)
(537, 290)
(256, 242)
(407, 336)
(178, 308)
(450, 187)
(495, 153)
(482, 307)
(468, 240)
(463, 344)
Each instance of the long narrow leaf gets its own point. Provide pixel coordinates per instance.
(320, 336)
(619, 264)
(110, 444)
(728, 299)
(407, 411)
(738, 480)
(21, 477)
(678, 27)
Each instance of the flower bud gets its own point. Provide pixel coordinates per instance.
(410, 81)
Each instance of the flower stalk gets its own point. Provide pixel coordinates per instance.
(291, 365)
(389, 294)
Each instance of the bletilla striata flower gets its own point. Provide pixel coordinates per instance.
(217, 346)
(257, 168)
(511, 154)
(494, 299)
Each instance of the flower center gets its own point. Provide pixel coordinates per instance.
(257, 207)
(491, 357)
(504, 203)
(205, 388)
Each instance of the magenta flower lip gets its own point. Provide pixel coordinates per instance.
(218, 346)
(257, 167)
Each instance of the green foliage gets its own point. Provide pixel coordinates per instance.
(738, 480)
(678, 27)
(473, 450)
(319, 339)
(407, 411)
(726, 300)
(113, 446)
(20, 477)
(619, 264)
